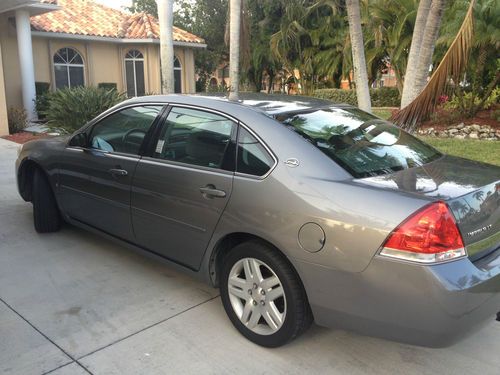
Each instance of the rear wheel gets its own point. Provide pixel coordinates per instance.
(45, 212)
(263, 295)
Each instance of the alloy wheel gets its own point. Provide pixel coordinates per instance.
(257, 296)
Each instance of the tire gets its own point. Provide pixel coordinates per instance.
(277, 319)
(46, 215)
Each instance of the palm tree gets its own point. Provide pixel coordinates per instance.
(234, 48)
(358, 55)
(165, 18)
(416, 43)
(388, 33)
(427, 47)
(452, 65)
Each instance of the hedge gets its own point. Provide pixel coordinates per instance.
(381, 97)
(107, 85)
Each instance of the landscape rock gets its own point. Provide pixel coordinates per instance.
(473, 135)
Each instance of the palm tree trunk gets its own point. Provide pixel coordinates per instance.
(166, 18)
(358, 55)
(427, 47)
(413, 56)
(234, 48)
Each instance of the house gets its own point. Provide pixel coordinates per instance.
(60, 43)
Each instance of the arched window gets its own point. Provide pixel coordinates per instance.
(177, 75)
(134, 72)
(68, 68)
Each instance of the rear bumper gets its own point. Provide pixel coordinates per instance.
(431, 306)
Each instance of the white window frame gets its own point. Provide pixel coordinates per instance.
(68, 64)
(134, 59)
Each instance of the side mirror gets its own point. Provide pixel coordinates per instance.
(79, 140)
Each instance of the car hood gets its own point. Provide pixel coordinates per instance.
(445, 178)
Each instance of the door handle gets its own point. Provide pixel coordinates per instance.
(118, 172)
(211, 191)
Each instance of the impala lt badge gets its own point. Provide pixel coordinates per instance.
(480, 230)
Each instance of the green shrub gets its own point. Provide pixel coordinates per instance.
(385, 97)
(70, 108)
(42, 87)
(42, 98)
(107, 85)
(381, 97)
(337, 95)
(18, 119)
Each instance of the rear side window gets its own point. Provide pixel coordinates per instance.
(361, 143)
(253, 158)
(196, 137)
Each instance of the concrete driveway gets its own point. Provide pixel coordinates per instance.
(74, 303)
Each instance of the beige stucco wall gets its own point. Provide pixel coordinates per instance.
(4, 126)
(10, 60)
(104, 62)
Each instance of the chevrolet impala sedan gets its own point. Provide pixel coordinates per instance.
(299, 210)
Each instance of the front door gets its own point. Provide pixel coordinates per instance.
(95, 180)
(180, 192)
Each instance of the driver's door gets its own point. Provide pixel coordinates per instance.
(95, 179)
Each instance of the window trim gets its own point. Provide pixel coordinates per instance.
(134, 60)
(178, 68)
(263, 144)
(151, 158)
(68, 65)
(89, 127)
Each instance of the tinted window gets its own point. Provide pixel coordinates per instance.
(195, 137)
(253, 158)
(125, 130)
(360, 142)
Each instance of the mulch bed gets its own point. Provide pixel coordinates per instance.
(481, 118)
(24, 137)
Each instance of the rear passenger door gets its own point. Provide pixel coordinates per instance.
(181, 189)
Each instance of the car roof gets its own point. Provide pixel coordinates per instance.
(270, 104)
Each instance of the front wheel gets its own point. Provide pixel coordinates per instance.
(263, 296)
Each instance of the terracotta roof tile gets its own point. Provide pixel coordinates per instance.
(85, 17)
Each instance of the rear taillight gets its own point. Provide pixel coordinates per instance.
(430, 235)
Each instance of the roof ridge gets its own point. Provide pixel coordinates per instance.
(87, 17)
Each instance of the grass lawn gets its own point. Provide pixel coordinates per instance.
(382, 112)
(485, 151)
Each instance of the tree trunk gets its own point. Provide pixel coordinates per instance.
(234, 48)
(413, 57)
(165, 19)
(427, 47)
(358, 55)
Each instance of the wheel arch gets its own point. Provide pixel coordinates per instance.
(25, 175)
(226, 243)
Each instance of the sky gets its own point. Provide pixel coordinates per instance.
(117, 4)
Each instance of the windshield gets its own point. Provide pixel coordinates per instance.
(361, 143)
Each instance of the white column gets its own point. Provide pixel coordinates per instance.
(25, 50)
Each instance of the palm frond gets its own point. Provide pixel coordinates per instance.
(452, 66)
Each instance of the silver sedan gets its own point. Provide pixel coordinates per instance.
(297, 209)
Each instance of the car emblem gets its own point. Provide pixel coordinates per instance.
(292, 162)
(480, 230)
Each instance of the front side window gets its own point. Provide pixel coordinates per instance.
(134, 72)
(358, 141)
(124, 131)
(68, 68)
(253, 158)
(196, 137)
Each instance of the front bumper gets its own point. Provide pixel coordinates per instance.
(432, 306)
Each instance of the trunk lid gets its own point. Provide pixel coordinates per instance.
(471, 190)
